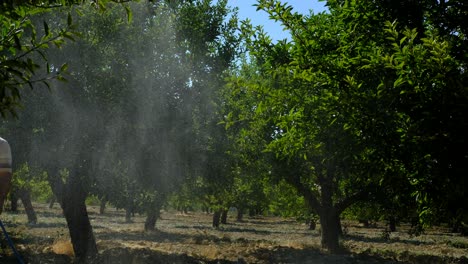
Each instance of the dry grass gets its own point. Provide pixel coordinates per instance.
(255, 240)
(63, 247)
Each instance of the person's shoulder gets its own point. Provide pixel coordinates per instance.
(4, 143)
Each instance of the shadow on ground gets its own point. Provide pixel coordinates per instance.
(120, 255)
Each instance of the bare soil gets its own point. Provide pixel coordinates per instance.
(191, 239)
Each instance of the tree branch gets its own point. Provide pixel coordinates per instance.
(313, 202)
(355, 197)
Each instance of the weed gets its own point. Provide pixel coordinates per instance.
(345, 229)
(210, 252)
(416, 230)
(385, 235)
(226, 238)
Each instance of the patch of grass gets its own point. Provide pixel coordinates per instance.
(457, 244)
(385, 235)
(210, 252)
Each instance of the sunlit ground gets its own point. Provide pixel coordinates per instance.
(191, 239)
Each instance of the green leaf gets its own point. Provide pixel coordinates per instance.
(69, 36)
(64, 67)
(398, 82)
(61, 78)
(129, 14)
(402, 40)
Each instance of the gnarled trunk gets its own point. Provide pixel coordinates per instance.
(330, 229)
(324, 205)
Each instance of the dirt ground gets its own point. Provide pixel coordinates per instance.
(191, 239)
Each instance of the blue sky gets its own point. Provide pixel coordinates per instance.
(246, 10)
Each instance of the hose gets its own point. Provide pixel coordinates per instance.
(18, 257)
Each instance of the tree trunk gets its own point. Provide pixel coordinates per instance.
(153, 214)
(456, 226)
(224, 214)
(128, 215)
(25, 196)
(392, 224)
(338, 224)
(52, 202)
(240, 214)
(129, 210)
(14, 201)
(72, 197)
(102, 206)
(151, 218)
(312, 224)
(216, 218)
(81, 232)
(330, 232)
(251, 212)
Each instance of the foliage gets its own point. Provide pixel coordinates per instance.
(24, 42)
(36, 182)
(21, 38)
(285, 201)
(135, 104)
(352, 103)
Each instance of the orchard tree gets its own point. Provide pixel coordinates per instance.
(339, 103)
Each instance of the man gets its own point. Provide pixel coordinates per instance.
(5, 171)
